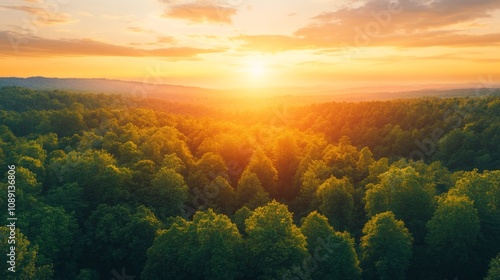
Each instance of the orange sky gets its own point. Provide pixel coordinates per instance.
(253, 43)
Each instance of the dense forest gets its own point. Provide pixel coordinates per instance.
(122, 187)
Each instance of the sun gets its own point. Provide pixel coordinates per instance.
(257, 69)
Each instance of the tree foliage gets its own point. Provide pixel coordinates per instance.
(102, 179)
(386, 247)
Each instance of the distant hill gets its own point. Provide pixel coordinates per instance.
(170, 92)
(240, 98)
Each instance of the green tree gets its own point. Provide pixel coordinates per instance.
(221, 195)
(54, 232)
(164, 141)
(120, 237)
(206, 248)
(166, 194)
(27, 265)
(452, 233)
(494, 271)
(274, 243)
(97, 174)
(66, 122)
(363, 163)
(88, 274)
(140, 233)
(168, 256)
(342, 158)
(334, 251)
(240, 216)
(68, 196)
(212, 165)
(286, 158)
(484, 191)
(336, 201)
(405, 193)
(172, 161)
(250, 192)
(263, 167)
(386, 247)
(317, 173)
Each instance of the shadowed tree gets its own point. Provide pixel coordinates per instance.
(240, 217)
(334, 251)
(336, 201)
(452, 234)
(263, 167)
(386, 247)
(55, 233)
(166, 194)
(97, 174)
(221, 195)
(250, 192)
(206, 248)
(120, 237)
(306, 200)
(286, 157)
(494, 271)
(26, 264)
(484, 191)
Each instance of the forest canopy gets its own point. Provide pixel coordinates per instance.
(111, 185)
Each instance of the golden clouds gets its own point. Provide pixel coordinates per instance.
(37, 46)
(201, 12)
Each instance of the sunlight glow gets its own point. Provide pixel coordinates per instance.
(257, 69)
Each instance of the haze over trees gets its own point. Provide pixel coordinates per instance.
(105, 184)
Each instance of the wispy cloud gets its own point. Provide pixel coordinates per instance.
(410, 23)
(160, 41)
(139, 29)
(201, 12)
(41, 15)
(38, 46)
(166, 40)
(377, 23)
(272, 43)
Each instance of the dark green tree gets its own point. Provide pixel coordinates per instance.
(166, 194)
(27, 265)
(263, 167)
(336, 201)
(452, 234)
(333, 251)
(386, 247)
(206, 248)
(250, 192)
(494, 271)
(120, 237)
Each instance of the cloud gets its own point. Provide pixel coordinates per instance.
(40, 15)
(160, 41)
(37, 46)
(166, 40)
(272, 43)
(407, 23)
(201, 12)
(404, 23)
(139, 29)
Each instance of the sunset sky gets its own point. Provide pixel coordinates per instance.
(262, 43)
